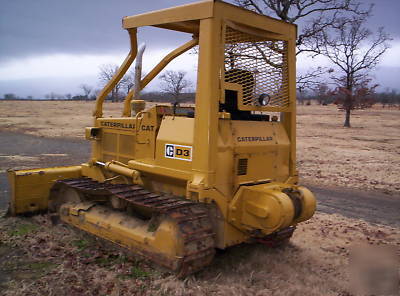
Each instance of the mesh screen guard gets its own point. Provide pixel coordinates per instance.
(260, 66)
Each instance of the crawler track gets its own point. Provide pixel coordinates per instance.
(194, 225)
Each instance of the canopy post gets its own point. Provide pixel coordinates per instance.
(98, 112)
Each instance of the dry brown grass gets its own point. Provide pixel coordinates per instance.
(365, 156)
(41, 259)
(49, 118)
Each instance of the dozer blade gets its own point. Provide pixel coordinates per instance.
(30, 189)
(170, 231)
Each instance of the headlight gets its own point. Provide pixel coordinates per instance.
(264, 99)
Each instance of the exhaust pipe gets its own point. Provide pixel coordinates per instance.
(138, 71)
(138, 105)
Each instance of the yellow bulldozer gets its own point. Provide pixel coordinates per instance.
(174, 183)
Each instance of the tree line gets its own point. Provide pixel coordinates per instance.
(174, 86)
(363, 97)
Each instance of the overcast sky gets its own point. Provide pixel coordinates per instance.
(56, 45)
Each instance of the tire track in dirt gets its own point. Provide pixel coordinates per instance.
(371, 206)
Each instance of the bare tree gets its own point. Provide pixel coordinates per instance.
(106, 74)
(314, 16)
(323, 93)
(355, 50)
(174, 82)
(312, 78)
(87, 89)
(317, 15)
(129, 80)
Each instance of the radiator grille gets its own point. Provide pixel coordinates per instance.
(260, 66)
(242, 167)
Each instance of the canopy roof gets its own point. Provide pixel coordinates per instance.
(186, 18)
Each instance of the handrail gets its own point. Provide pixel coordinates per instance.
(156, 70)
(98, 112)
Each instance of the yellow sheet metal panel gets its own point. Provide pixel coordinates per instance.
(186, 26)
(261, 151)
(224, 180)
(175, 143)
(146, 126)
(193, 11)
(253, 19)
(289, 118)
(30, 188)
(207, 99)
(127, 138)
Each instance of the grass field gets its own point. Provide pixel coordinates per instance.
(365, 156)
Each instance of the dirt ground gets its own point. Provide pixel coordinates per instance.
(37, 258)
(365, 156)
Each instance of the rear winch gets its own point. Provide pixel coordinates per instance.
(266, 208)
